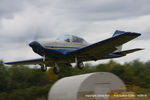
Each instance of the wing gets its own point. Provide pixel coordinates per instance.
(26, 62)
(100, 49)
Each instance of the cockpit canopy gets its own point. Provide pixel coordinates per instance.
(71, 38)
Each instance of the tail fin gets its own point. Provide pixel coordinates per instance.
(118, 32)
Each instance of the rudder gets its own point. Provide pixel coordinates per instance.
(118, 32)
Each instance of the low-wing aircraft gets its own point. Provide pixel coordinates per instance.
(72, 49)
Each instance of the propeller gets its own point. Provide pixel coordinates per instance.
(35, 37)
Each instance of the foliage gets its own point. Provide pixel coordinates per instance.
(24, 83)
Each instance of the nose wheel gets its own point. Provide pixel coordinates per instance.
(80, 65)
(56, 69)
(43, 68)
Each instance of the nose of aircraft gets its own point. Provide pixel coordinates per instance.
(37, 47)
(35, 44)
(32, 44)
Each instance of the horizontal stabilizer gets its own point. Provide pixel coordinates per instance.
(128, 51)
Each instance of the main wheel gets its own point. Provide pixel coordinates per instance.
(80, 65)
(43, 68)
(69, 65)
(56, 70)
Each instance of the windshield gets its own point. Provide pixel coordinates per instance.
(77, 39)
(66, 38)
(71, 38)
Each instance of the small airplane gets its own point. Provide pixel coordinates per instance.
(72, 49)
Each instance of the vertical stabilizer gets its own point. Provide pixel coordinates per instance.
(118, 32)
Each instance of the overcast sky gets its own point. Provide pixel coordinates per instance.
(22, 21)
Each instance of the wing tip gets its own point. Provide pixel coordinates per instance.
(8, 63)
(140, 49)
(133, 34)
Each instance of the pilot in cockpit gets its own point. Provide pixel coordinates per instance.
(71, 38)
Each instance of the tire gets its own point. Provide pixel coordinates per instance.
(43, 68)
(80, 65)
(56, 70)
(69, 65)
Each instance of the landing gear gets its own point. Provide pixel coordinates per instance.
(56, 69)
(69, 65)
(43, 68)
(80, 65)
